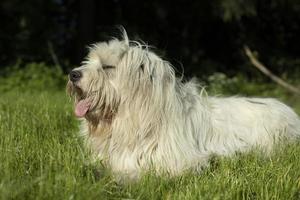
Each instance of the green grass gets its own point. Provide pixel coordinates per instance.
(42, 157)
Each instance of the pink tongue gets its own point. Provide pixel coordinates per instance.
(82, 107)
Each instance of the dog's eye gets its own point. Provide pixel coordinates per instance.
(108, 67)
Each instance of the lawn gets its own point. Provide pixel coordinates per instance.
(42, 157)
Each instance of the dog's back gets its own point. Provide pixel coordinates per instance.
(239, 123)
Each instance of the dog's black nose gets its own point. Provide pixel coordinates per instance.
(75, 75)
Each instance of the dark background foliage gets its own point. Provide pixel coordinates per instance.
(203, 36)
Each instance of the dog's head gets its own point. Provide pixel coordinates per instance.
(113, 73)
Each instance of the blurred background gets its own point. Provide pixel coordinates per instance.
(200, 38)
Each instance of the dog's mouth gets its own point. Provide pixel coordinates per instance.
(82, 107)
(82, 103)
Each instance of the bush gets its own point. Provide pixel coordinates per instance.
(32, 76)
(219, 83)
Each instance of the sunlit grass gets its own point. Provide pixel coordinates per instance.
(42, 157)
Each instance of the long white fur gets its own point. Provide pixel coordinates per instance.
(160, 123)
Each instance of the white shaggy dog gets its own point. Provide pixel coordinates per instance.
(137, 116)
